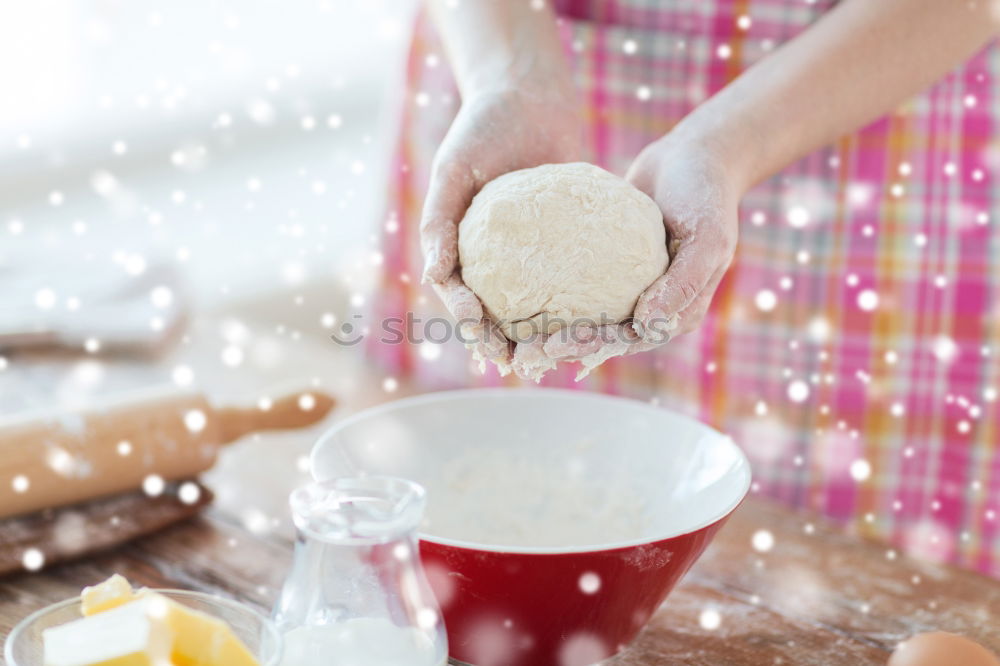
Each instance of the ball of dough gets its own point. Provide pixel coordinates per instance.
(560, 245)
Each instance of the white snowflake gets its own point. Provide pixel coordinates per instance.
(765, 300)
(763, 541)
(232, 356)
(33, 559)
(798, 391)
(861, 470)
(20, 484)
(189, 492)
(798, 217)
(182, 375)
(153, 485)
(710, 619)
(945, 348)
(867, 300)
(45, 298)
(195, 420)
(590, 583)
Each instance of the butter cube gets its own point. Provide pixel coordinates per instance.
(200, 639)
(112, 593)
(133, 634)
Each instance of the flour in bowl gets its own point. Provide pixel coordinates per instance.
(513, 498)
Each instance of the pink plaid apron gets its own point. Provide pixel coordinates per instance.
(853, 348)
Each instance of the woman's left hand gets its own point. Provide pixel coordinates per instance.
(698, 192)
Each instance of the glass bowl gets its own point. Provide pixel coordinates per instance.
(24, 645)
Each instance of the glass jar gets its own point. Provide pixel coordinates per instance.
(357, 594)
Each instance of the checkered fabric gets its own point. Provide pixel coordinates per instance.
(853, 348)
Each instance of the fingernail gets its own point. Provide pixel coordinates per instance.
(643, 327)
(470, 333)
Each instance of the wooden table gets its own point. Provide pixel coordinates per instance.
(817, 597)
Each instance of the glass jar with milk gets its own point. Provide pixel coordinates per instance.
(357, 594)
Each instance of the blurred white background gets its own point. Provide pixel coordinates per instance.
(244, 141)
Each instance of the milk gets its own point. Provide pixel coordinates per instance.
(360, 642)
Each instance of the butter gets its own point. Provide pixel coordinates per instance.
(112, 593)
(200, 639)
(126, 627)
(133, 634)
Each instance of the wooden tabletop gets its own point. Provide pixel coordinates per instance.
(817, 596)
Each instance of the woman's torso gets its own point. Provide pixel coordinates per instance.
(852, 349)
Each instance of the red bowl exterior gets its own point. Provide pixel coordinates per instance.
(532, 609)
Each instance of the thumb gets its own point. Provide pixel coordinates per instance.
(448, 196)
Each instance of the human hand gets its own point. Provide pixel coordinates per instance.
(698, 194)
(495, 132)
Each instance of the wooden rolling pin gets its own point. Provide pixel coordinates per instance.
(71, 532)
(55, 459)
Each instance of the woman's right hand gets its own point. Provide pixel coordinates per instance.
(495, 132)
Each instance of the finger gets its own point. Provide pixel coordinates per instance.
(594, 346)
(570, 344)
(691, 317)
(448, 197)
(493, 346)
(477, 331)
(530, 360)
(615, 340)
(689, 273)
(460, 301)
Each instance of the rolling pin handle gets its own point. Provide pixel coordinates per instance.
(294, 410)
